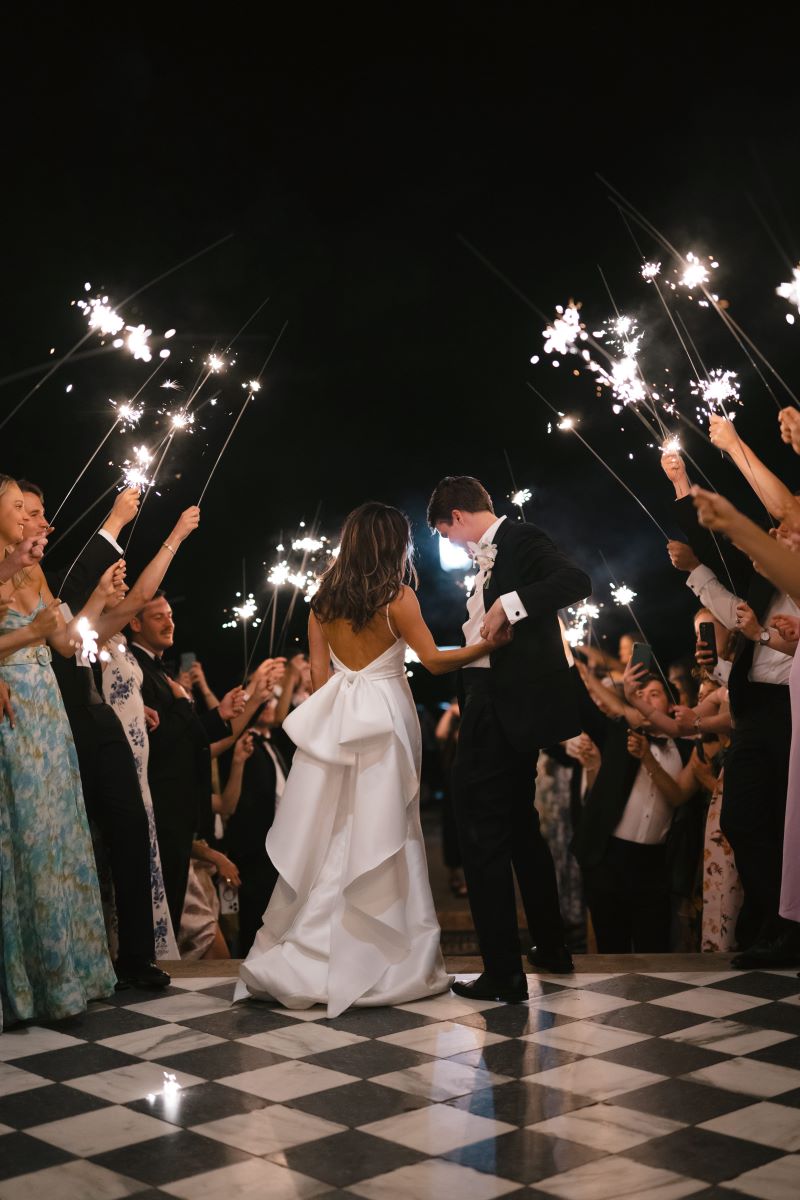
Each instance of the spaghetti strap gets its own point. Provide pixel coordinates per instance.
(389, 623)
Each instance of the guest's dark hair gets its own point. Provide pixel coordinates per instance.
(374, 561)
(25, 485)
(457, 491)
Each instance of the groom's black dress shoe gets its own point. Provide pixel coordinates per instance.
(511, 989)
(556, 960)
(139, 973)
(782, 951)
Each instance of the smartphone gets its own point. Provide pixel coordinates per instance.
(187, 660)
(642, 653)
(707, 635)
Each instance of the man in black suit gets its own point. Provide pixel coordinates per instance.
(263, 780)
(179, 770)
(109, 779)
(520, 698)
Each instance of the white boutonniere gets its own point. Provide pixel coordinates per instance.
(484, 555)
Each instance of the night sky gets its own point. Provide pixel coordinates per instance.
(346, 157)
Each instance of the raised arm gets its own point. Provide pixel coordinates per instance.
(676, 791)
(771, 491)
(780, 565)
(407, 619)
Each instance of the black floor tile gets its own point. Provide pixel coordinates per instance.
(649, 1018)
(520, 1103)
(785, 1054)
(198, 1104)
(664, 1057)
(165, 1159)
(110, 1022)
(242, 1020)
(636, 987)
(785, 1018)
(42, 1104)
(74, 1061)
(347, 1158)
(759, 983)
(524, 1156)
(514, 1020)
(226, 1058)
(366, 1059)
(683, 1100)
(357, 1104)
(378, 1022)
(20, 1154)
(701, 1154)
(516, 1058)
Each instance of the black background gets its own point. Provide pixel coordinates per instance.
(346, 153)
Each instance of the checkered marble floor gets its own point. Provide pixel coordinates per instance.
(638, 1085)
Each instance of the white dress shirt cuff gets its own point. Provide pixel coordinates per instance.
(105, 534)
(699, 578)
(513, 607)
(722, 671)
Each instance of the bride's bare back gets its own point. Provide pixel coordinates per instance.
(358, 650)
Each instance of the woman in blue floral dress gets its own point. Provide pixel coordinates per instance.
(53, 953)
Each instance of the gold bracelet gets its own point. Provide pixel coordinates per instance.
(167, 546)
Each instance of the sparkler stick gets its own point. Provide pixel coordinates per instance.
(519, 498)
(251, 389)
(26, 371)
(627, 604)
(622, 482)
(312, 537)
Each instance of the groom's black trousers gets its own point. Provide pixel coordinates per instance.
(494, 789)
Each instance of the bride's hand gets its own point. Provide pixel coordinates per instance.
(501, 638)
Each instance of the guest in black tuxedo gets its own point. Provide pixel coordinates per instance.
(109, 780)
(519, 699)
(757, 763)
(179, 770)
(263, 780)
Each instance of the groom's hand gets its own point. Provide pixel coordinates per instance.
(493, 622)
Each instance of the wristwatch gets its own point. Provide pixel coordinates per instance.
(764, 637)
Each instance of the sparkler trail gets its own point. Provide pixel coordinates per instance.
(85, 513)
(622, 482)
(519, 498)
(627, 604)
(503, 278)
(769, 231)
(247, 400)
(26, 371)
(312, 544)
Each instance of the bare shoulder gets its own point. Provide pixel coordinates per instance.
(405, 601)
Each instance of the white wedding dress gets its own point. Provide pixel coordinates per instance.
(351, 920)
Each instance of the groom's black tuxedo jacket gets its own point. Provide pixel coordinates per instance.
(533, 689)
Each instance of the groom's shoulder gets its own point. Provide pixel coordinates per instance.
(524, 531)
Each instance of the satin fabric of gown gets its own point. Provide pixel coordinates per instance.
(351, 920)
(790, 879)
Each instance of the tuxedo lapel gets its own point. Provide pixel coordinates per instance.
(493, 589)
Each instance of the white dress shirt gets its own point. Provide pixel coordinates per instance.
(280, 778)
(476, 610)
(648, 814)
(105, 534)
(769, 666)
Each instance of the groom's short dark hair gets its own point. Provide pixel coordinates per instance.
(457, 491)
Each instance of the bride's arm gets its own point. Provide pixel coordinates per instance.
(319, 654)
(407, 619)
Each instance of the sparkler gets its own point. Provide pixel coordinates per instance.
(520, 498)
(791, 291)
(719, 388)
(135, 469)
(623, 595)
(650, 270)
(672, 445)
(566, 329)
(695, 274)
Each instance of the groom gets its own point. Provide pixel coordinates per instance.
(514, 701)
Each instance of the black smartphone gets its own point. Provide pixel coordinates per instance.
(188, 659)
(707, 635)
(642, 654)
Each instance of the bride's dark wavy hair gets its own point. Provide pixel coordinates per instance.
(375, 560)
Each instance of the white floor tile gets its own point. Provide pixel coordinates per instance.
(443, 1039)
(161, 1041)
(791, 999)
(78, 1180)
(575, 980)
(433, 1180)
(594, 1078)
(14, 1079)
(585, 1037)
(268, 1130)
(710, 1002)
(729, 1037)
(5, 1129)
(97, 1132)
(286, 1081)
(181, 1008)
(132, 1082)
(701, 978)
(297, 1041)
(775, 1125)
(317, 1012)
(32, 1039)
(208, 981)
(607, 1127)
(440, 1080)
(251, 1180)
(447, 1007)
(578, 1004)
(776, 1180)
(436, 1129)
(613, 1178)
(749, 1076)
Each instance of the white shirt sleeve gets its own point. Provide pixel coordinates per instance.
(105, 534)
(714, 596)
(722, 671)
(513, 607)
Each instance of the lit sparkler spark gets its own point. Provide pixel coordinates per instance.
(135, 470)
(623, 595)
(243, 612)
(279, 574)
(172, 385)
(587, 611)
(410, 656)
(468, 583)
(721, 388)
(566, 422)
(137, 341)
(791, 291)
(560, 337)
(253, 385)
(215, 363)
(312, 587)
(297, 580)
(88, 638)
(672, 446)
(695, 274)
(575, 630)
(650, 270)
(308, 545)
(521, 497)
(181, 419)
(128, 415)
(101, 316)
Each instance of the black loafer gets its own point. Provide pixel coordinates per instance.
(511, 989)
(132, 974)
(782, 951)
(555, 960)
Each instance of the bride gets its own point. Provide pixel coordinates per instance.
(351, 919)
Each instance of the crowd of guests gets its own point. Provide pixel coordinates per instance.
(135, 803)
